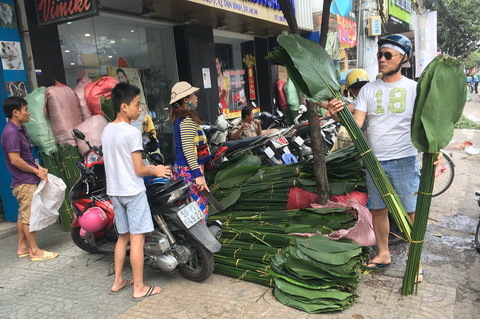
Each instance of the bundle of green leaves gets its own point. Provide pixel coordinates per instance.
(318, 275)
(439, 104)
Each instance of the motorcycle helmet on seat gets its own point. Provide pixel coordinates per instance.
(93, 219)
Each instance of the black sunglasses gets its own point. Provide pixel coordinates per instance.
(387, 55)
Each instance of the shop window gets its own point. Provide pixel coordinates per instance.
(96, 46)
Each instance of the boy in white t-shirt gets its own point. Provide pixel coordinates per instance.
(122, 146)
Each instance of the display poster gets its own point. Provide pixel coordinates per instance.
(207, 83)
(237, 98)
(132, 76)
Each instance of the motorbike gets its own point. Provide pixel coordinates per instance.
(477, 232)
(181, 239)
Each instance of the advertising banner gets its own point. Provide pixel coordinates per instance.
(347, 31)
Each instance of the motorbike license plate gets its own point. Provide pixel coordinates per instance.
(190, 214)
(299, 141)
(270, 153)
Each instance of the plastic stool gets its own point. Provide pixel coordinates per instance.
(289, 158)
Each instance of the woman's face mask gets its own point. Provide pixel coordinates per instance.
(190, 105)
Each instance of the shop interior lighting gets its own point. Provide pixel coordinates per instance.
(132, 30)
(112, 41)
(221, 25)
(87, 34)
(246, 29)
(67, 51)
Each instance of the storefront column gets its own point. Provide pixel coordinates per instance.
(195, 49)
(46, 48)
(264, 74)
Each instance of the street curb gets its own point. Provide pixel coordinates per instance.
(7, 229)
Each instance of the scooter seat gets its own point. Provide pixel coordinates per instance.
(243, 142)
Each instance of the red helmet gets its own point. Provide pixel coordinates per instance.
(93, 219)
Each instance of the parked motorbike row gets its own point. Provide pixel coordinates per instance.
(286, 145)
(181, 239)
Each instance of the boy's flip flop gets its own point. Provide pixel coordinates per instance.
(148, 294)
(128, 283)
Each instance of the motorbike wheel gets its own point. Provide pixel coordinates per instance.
(201, 263)
(81, 243)
(477, 238)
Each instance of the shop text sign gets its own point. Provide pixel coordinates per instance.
(247, 8)
(59, 11)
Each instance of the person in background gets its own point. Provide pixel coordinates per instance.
(354, 81)
(247, 125)
(475, 82)
(124, 169)
(122, 76)
(191, 148)
(26, 174)
(388, 104)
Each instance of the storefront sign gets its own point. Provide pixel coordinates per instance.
(347, 31)
(247, 8)
(59, 11)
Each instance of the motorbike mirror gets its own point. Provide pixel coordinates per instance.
(78, 134)
(81, 165)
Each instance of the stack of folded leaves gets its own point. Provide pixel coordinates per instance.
(318, 275)
(261, 243)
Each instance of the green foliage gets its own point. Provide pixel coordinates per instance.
(309, 67)
(467, 123)
(458, 26)
(107, 108)
(472, 60)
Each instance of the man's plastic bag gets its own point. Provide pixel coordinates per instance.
(46, 202)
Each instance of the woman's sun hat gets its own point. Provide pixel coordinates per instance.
(182, 89)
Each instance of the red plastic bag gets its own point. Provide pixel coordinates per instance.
(355, 195)
(95, 90)
(300, 198)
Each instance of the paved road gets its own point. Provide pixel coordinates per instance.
(76, 284)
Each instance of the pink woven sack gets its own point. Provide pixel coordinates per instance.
(64, 113)
(80, 92)
(92, 128)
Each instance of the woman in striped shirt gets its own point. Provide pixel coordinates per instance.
(191, 148)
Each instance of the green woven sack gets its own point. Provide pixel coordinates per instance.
(39, 128)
